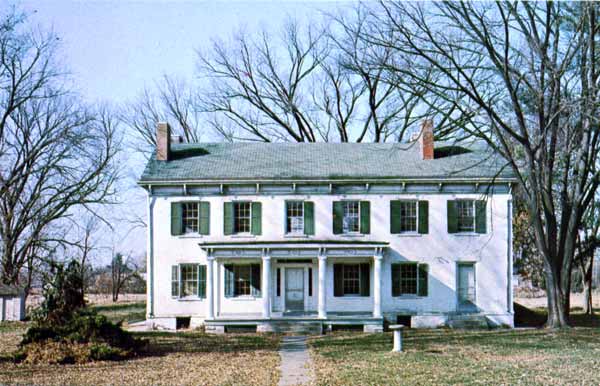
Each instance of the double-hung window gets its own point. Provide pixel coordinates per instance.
(294, 217)
(188, 280)
(242, 280)
(351, 279)
(410, 279)
(351, 221)
(465, 210)
(408, 216)
(242, 217)
(190, 217)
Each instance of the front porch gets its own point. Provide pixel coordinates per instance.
(293, 286)
(308, 323)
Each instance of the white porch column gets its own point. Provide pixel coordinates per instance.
(210, 304)
(322, 289)
(266, 285)
(378, 258)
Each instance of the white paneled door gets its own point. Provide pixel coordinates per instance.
(294, 289)
(466, 287)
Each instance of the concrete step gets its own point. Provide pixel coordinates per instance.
(309, 328)
(468, 322)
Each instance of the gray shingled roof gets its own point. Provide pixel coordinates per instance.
(322, 161)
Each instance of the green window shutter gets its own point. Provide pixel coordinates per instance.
(228, 218)
(423, 279)
(394, 217)
(255, 280)
(452, 217)
(175, 281)
(423, 217)
(338, 282)
(396, 280)
(204, 218)
(256, 226)
(480, 216)
(365, 217)
(176, 222)
(338, 217)
(202, 281)
(309, 218)
(229, 280)
(365, 279)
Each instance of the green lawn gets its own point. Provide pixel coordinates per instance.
(125, 312)
(521, 356)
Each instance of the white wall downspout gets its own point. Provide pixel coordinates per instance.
(150, 255)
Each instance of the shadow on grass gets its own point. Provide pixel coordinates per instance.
(163, 343)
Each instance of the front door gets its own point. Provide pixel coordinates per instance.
(466, 287)
(294, 289)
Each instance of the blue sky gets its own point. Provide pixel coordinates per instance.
(115, 48)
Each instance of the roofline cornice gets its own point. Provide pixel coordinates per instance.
(438, 180)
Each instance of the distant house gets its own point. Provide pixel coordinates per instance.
(269, 235)
(12, 303)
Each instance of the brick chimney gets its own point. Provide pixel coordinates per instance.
(426, 139)
(163, 141)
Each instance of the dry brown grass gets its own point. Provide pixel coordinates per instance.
(187, 358)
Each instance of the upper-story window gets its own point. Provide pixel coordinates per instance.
(190, 217)
(409, 216)
(242, 217)
(465, 215)
(295, 217)
(351, 217)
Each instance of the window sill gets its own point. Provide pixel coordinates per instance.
(188, 299)
(351, 235)
(243, 236)
(408, 297)
(409, 234)
(296, 236)
(190, 236)
(467, 234)
(244, 298)
(354, 296)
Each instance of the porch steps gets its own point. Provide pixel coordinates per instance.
(468, 322)
(298, 327)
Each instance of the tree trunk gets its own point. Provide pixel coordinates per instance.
(588, 306)
(558, 313)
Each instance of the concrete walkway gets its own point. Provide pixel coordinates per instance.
(295, 362)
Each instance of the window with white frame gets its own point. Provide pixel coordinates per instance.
(465, 210)
(175, 280)
(242, 217)
(351, 278)
(408, 216)
(295, 217)
(410, 279)
(351, 222)
(189, 217)
(189, 280)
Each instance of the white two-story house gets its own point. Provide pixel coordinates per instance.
(268, 235)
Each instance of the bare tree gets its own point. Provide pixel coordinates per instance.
(55, 154)
(527, 74)
(588, 243)
(123, 269)
(171, 100)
